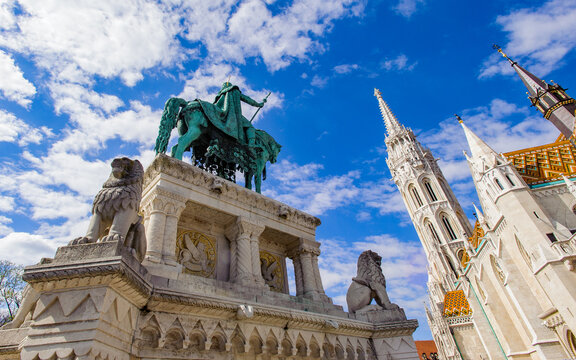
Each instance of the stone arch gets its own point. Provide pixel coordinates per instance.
(314, 348)
(339, 351)
(286, 346)
(197, 337)
(301, 347)
(271, 344)
(150, 334)
(328, 349)
(360, 353)
(218, 339)
(238, 341)
(431, 192)
(449, 226)
(350, 353)
(256, 343)
(415, 196)
(174, 339)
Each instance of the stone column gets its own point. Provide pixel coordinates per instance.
(319, 285)
(245, 236)
(306, 274)
(298, 274)
(162, 209)
(174, 208)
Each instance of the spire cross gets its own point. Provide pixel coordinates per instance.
(499, 49)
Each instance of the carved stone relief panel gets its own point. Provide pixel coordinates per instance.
(196, 253)
(272, 267)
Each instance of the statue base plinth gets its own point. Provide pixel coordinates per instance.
(375, 314)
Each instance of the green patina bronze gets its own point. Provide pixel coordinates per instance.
(222, 140)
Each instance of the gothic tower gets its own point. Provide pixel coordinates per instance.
(437, 216)
(550, 99)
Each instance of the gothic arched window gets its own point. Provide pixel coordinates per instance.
(510, 180)
(499, 184)
(448, 227)
(433, 232)
(429, 190)
(415, 196)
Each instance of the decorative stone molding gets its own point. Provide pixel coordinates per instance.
(165, 165)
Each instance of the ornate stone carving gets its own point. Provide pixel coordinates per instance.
(115, 209)
(368, 284)
(196, 253)
(272, 271)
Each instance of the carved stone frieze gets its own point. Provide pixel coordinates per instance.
(187, 173)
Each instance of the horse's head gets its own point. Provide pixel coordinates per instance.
(267, 142)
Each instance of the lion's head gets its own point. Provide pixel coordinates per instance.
(369, 263)
(127, 177)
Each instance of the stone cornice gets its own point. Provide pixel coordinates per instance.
(165, 165)
(125, 275)
(167, 300)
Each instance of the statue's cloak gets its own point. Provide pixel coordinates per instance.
(226, 112)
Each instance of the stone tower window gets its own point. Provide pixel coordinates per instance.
(433, 232)
(415, 196)
(448, 227)
(510, 180)
(430, 191)
(499, 184)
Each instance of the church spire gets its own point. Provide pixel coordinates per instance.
(392, 124)
(550, 99)
(479, 149)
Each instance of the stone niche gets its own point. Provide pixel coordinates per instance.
(213, 285)
(200, 226)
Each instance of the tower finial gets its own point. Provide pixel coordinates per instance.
(459, 118)
(499, 49)
(390, 121)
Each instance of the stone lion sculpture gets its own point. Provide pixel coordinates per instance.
(368, 284)
(115, 209)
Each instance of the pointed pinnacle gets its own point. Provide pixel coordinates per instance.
(499, 49)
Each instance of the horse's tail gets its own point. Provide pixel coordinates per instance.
(168, 122)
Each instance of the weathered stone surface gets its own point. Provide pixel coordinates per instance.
(97, 300)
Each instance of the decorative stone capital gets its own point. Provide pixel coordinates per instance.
(164, 201)
(245, 229)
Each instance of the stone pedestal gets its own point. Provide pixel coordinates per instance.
(203, 291)
(375, 314)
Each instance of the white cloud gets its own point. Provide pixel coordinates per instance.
(403, 265)
(407, 8)
(319, 81)
(345, 68)
(399, 63)
(541, 37)
(13, 129)
(303, 188)
(14, 86)
(6, 203)
(5, 229)
(72, 40)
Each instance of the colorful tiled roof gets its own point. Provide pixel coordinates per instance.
(541, 164)
(477, 235)
(456, 304)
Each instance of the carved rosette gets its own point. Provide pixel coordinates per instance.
(272, 269)
(196, 253)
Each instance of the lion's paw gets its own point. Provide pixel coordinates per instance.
(112, 237)
(81, 240)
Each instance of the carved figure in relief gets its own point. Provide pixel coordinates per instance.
(268, 269)
(115, 209)
(368, 284)
(193, 257)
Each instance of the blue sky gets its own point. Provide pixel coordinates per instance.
(82, 82)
